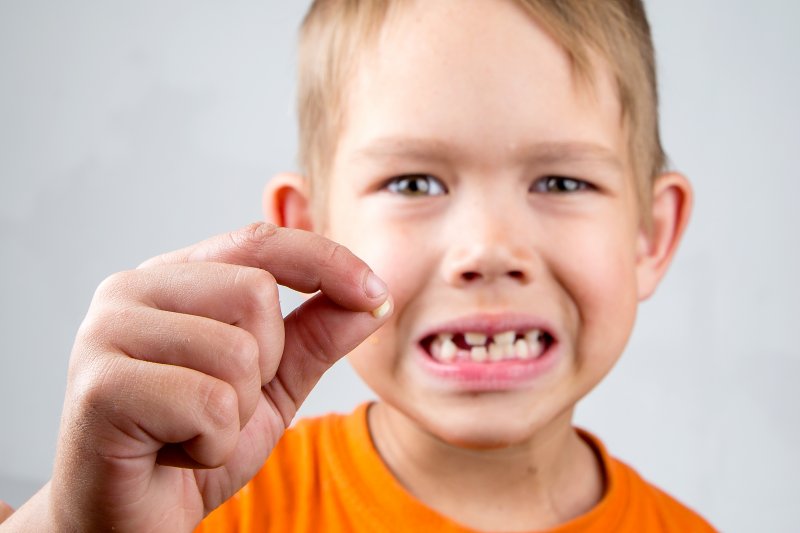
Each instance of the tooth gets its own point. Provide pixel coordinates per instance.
(436, 348)
(475, 339)
(448, 350)
(535, 350)
(445, 336)
(521, 349)
(382, 310)
(496, 351)
(533, 336)
(508, 351)
(507, 337)
(478, 354)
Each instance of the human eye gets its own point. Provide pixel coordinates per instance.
(416, 185)
(560, 185)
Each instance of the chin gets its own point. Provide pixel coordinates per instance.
(484, 428)
(481, 441)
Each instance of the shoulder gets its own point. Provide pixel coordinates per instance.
(652, 505)
(637, 504)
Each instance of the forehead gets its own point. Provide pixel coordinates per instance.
(481, 76)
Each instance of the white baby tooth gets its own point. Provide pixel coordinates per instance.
(445, 336)
(533, 339)
(508, 351)
(382, 310)
(507, 337)
(535, 348)
(475, 339)
(478, 354)
(533, 336)
(448, 350)
(521, 349)
(496, 352)
(436, 348)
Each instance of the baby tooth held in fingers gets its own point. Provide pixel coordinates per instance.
(507, 337)
(382, 310)
(478, 354)
(475, 339)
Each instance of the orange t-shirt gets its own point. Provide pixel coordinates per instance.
(326, 476)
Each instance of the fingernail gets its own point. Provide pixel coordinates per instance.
(383, 310)
(374, 286)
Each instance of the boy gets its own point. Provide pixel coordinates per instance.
(497, 164)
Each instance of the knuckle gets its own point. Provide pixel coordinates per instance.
(219, 403)
(114, 286)
(262, 282)
(260, 288)
(103, 322)
(242, 353)
(90, 330)
(93, 389)
(254, 234)
(94, 328)
(337, 254)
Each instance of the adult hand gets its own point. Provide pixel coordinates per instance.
(187, 362)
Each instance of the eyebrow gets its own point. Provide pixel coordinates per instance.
(407, 147)
(550, 152)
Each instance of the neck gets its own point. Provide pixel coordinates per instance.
(540, 483)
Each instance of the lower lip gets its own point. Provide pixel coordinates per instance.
(492, 376)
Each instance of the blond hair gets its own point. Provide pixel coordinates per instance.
(334, 31)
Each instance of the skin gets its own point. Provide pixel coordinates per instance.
(187, 362)
(480, 103)
(5, 511)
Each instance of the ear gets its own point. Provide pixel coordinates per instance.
(671, 207)
(286, 201)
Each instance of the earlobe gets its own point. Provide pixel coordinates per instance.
(286, 201)
(671, 207)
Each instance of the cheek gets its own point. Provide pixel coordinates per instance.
(392, 251)
(395, 253)
(600, 277)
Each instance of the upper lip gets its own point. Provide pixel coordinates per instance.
(490, 324)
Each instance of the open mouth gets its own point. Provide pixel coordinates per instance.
(455, 347)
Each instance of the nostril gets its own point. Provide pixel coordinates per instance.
(516, 274)
(470, 276)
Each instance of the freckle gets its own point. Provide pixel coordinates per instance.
(531, 470)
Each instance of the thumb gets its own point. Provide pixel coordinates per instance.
(318, 333)
(5, 511)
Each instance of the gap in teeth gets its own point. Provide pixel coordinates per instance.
(480, 347)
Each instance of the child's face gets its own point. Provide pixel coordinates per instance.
(476, 106)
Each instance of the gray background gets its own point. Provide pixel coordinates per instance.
(132, 128)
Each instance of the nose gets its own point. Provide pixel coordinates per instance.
(488, 251)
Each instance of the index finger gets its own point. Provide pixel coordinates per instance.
(297, 259)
